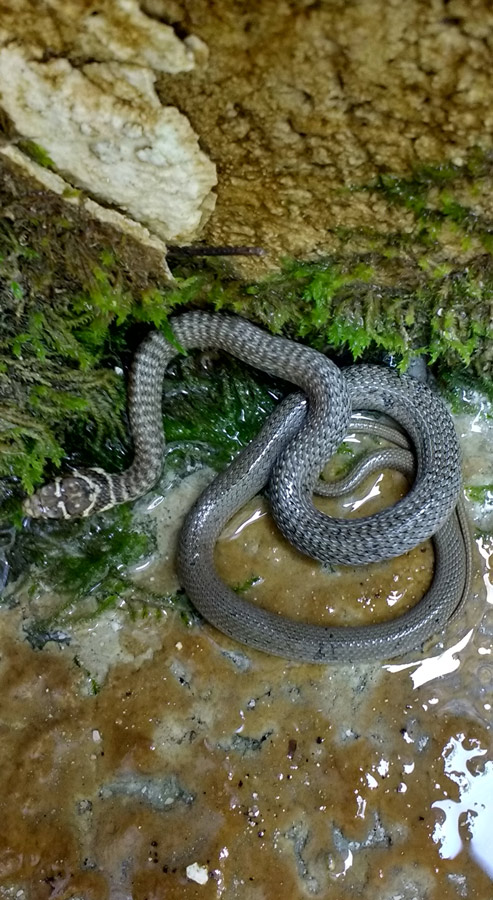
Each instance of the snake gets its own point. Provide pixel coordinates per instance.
(287, 456)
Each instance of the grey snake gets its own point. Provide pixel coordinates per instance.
(288, 454)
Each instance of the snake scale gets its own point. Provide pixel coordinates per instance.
(288, 454)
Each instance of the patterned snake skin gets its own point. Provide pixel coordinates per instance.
(288, 454)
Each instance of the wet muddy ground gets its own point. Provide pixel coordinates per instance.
(200, 768)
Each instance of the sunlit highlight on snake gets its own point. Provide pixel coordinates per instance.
(288, 455)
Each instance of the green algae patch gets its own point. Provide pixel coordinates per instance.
(466, 393)
(75, 571)
(480, 493)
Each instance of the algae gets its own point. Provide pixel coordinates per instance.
(81, 569)
(212, 407)
(78, 560)
(480, 493)
(466, 393)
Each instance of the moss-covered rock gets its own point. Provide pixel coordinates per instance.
(77, 297)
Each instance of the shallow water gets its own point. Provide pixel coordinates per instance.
(202, 769)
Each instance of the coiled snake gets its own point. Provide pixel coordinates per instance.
(288, 454)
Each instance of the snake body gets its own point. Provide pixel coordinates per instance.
(282, 636)
(288, 454)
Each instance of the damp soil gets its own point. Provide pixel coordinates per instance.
(151, 756)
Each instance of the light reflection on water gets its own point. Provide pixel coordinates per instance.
(258, 513)
(449, 660)
(468, 821)
(347, 863)
(465, 823)
(373, 491)
(484, 547)
(434, 666)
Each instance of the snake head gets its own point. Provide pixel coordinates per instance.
(67, 497)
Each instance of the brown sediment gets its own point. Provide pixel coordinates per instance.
(285, 581)
(258, 809)
(277, 779)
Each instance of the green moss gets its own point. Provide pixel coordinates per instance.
(65, 358)
(428, 193)
(346, 308)
(37, 153)
(210, 413)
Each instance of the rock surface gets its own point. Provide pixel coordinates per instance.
(299, 106)
(302, 102)
(100, 122)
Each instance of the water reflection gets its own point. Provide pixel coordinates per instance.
(484, 547)
(434, 666)
(7, 538)
(470, 818)
(373, 491)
